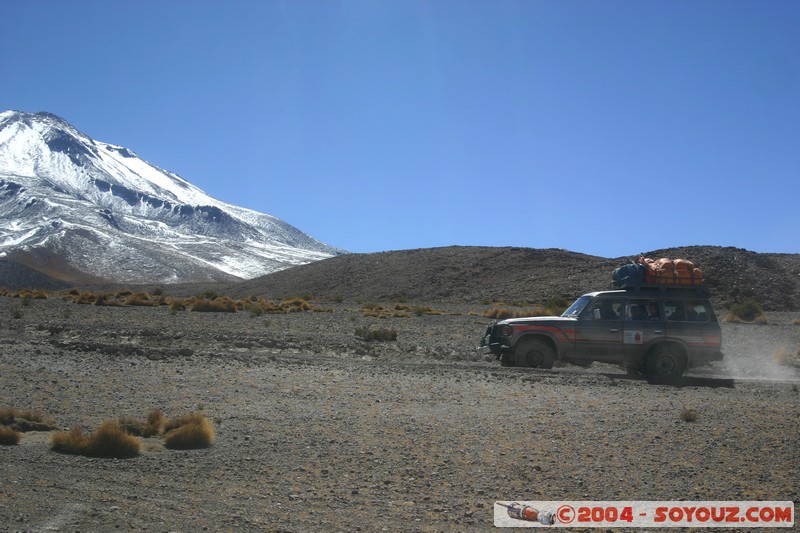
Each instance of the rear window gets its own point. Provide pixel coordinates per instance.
(687, 311)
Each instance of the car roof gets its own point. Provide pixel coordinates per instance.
(655, 292)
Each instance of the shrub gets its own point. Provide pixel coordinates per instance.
(111, 440)
(375, 311)
(501, 313)
(749, 311)
(143, 428)
(139, 299)
(220, 305)
(16, 312)
(689, 415)
(103, 299)
(783, 357)
(419, 311)
(377, 334)
(24, 420)
(73, 442)
(154, 423)
(188, 432)
(8, 436)
(796, 322)
(294, 305)
(175, 304)
(131, 425)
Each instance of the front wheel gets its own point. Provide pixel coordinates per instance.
(534, 353)
(665, 362)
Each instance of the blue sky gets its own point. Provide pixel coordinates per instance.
(602, 127)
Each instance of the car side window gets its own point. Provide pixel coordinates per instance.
(697, 311)
(607, 309)
(637, 310)
(674, 310)
(686, 311)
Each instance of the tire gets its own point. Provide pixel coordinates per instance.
(534, 353)
(664, 361)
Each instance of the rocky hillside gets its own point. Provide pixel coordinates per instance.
(485, 274)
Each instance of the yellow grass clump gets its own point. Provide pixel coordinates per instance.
(501, 313)
(110, 440)
(783, 357)
(689, 415)
(188, 432)
(150, 427)
(24, 420)
(222, 304)
(8, 436)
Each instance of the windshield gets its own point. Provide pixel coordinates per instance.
(576, 308)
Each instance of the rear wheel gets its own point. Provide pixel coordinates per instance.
(534, 353)
(664, 361)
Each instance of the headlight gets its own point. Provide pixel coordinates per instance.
(506, 330)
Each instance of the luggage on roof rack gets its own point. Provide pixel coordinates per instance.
(664, 271)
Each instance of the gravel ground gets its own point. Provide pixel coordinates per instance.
(320, 431)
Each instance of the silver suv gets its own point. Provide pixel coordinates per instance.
(658, 330)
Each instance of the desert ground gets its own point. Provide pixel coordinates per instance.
(319, 430)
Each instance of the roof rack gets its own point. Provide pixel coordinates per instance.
(664, 289)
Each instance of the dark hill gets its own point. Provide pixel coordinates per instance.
(482, 275)
(487, 274)
(15, 275)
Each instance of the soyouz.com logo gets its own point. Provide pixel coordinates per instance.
(745, 514)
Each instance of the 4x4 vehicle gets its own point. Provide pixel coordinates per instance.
(660, 330)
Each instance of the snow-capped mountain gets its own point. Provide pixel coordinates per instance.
(71, 206)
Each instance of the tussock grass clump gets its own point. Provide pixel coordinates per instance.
(28, 294)
(150, 427)
(141, 299)
(784, 357)
(422, 310)
(796, 322)
(259, 306)
(376, 334)
(501, 313)
(73, 442)
(398, 310)
(748, 312)
(375, 310)
(222, 304)
(689, 415)
(108, 300)
(24, 420)
(296, 305)
(188, 432)
(110, 440)
(9, 437)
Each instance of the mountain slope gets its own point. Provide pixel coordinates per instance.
(110, 215)
(479, 275)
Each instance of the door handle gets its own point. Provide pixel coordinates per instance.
(658, 331)
(614, 330)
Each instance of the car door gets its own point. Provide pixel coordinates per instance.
(599, 329)
(693, 322)
(643, 324)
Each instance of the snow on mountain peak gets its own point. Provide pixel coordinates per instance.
(115, 216)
